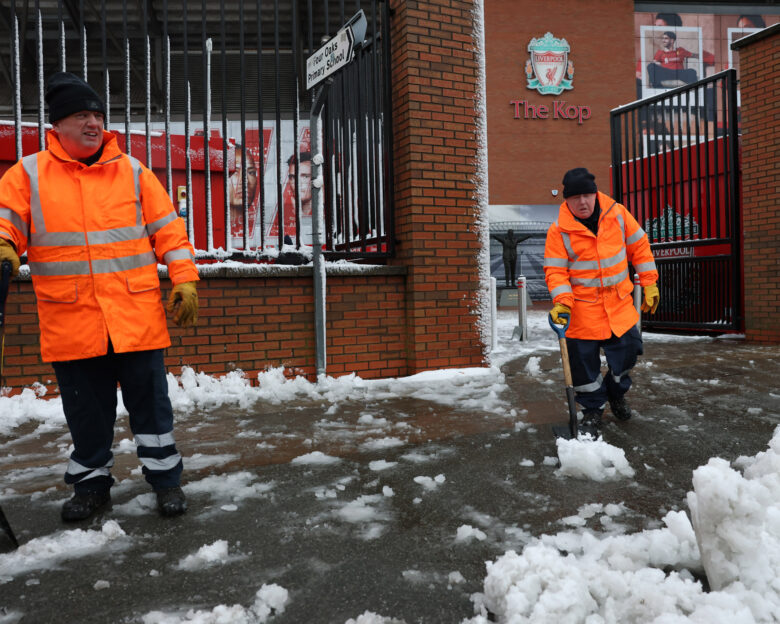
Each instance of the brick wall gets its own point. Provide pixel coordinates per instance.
(435, 78)
(425, 311)
(528, 156)
(256, 318)
(759, 67)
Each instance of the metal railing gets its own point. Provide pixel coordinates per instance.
(211, 96)
(675, 166)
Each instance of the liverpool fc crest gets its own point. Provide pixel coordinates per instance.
(549, 69)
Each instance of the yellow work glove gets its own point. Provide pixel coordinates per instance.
(559, 308)
(183, 302)
(651, 299)
(8, 253)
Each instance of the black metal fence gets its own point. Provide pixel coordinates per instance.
(675, 166)
(211, 96)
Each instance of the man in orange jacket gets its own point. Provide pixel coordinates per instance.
(95, 223)
(586, 259)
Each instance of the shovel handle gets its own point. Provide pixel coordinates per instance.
(570, 394)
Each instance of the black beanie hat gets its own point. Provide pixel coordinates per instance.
(578, 181)
(66, 94)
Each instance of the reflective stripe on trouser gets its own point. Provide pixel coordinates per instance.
(593, 389)
(89, 399)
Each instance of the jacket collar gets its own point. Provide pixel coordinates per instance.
(110, 147)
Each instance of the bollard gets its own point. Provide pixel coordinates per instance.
(493, 315)
(638, 301)
(522, 309)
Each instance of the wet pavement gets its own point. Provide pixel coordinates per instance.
(300, 526)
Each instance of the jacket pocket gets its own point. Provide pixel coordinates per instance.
(143, 283)
(57, 292)
(625, 288)
(586, 294)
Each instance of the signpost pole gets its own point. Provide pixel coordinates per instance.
(318, 221)
(336, 54)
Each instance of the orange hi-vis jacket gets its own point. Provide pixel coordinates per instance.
(589, 273)
(94, 236)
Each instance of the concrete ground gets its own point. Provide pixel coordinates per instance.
(693, 400)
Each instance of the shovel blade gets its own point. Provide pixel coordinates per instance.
(563, 431)
(8, 541)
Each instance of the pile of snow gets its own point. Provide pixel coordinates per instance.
(270, 600)
(592, 459)
(206, 557)
(46, 553)
(651, 576)
(28, 406)
(737, 521)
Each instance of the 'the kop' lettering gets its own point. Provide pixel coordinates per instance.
(560, 110)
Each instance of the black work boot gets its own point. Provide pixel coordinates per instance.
(171, 501)
(84, 504)
(619, 407)
(591, 423)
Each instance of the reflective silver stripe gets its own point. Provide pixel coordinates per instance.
(30, 164)
(156, 226)
(567, 245)
(638, 235)
(116, 235)
(137, 167)
(584, 265)
(642, 267)
(78, 267)
(622, 227)
(97, 472)
(556, 262)
(560, 290)
(617, 378)
(161, 464)
(590, 387)
(57, 239)
(125, 263)
(16, 220)
(178, 254)
(614, 203)
(619, 257)
(76, 469)
(65, 239)
(154, 440)
(614, 280)
(591, 283)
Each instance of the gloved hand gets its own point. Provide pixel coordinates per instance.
(651, 298)
(183, 302)
(559, 308)
(7, 252)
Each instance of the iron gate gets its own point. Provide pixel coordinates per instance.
(211, 96)
(675, 166)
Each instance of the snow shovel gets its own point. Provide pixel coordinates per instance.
(5, 282)
(568, 432)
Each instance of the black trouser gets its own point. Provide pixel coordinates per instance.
(89, 400)
(591, 387)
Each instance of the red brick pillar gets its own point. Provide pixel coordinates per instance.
(435, 72)
(759, 66)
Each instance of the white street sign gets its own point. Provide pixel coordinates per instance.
(337, 52)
